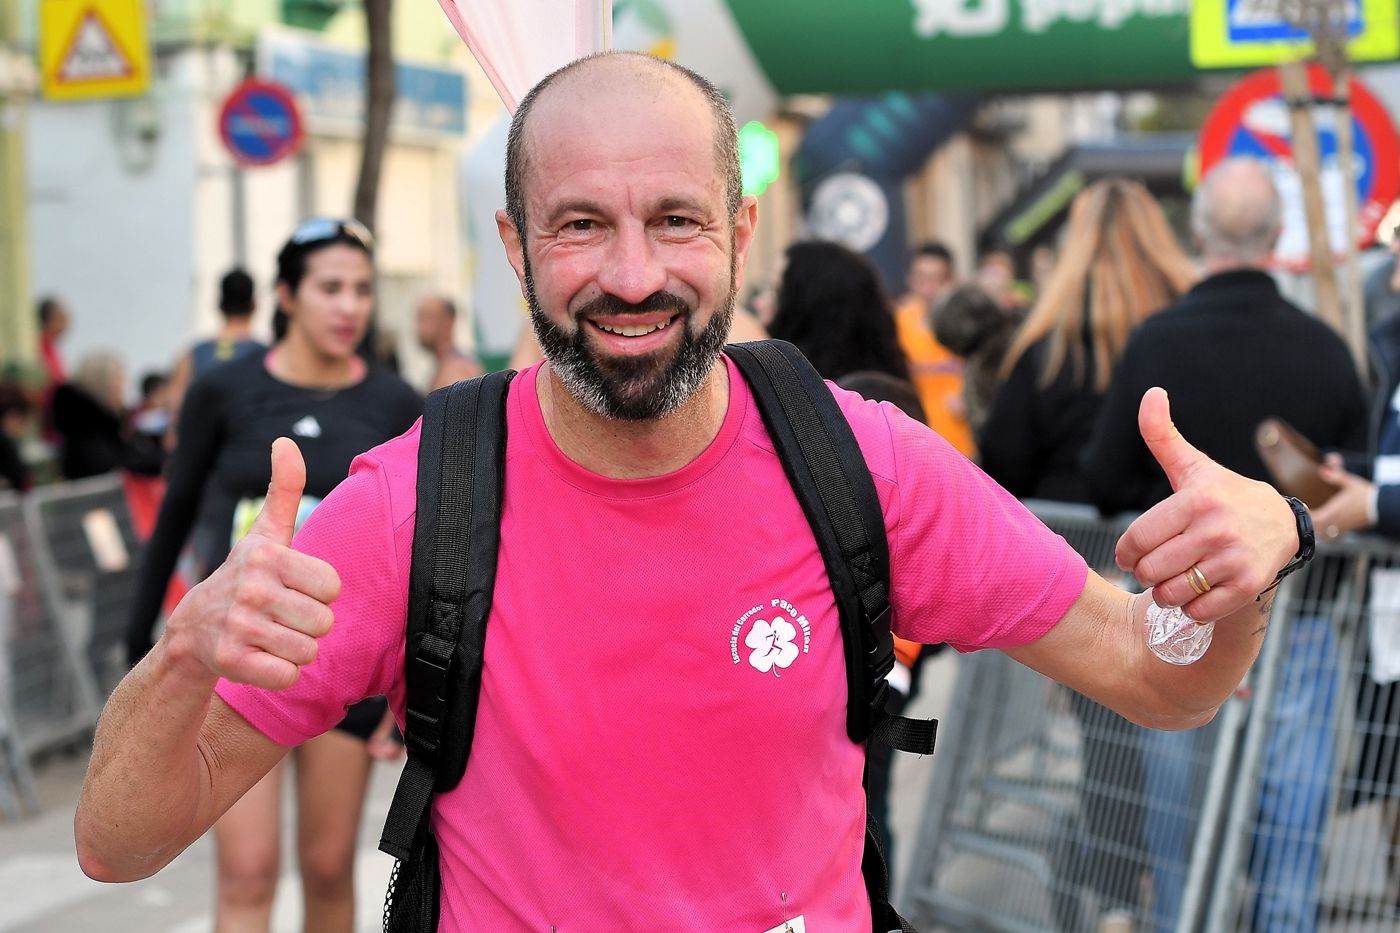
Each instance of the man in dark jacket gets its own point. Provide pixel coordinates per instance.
(1369, 494)
(1232, 352)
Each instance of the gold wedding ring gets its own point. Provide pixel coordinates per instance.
(1198, 580)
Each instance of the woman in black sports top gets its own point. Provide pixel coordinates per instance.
(310, 386)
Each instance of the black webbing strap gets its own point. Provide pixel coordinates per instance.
(908, 735)
(876, 871)
(828, 473)
(461, 471)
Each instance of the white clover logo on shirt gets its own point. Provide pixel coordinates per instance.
(774, 645)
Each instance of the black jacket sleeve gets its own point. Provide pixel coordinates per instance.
(12, 468)
(1118, 469)
(1007, 444)
(201, 432)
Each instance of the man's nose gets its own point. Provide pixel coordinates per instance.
(632, 269)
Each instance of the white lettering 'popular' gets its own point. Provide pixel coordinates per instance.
(1040, 15)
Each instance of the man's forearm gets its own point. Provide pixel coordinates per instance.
(147, 782)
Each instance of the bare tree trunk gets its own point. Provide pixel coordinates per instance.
(379, 104)
(1308, 160)
(1353, 300)
(1325, 23)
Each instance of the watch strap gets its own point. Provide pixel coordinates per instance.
(1307, 542)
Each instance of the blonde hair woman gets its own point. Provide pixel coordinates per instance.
(1118, 263)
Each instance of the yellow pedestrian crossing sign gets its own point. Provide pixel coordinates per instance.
(93, 48)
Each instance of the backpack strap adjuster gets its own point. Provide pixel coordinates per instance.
(427, 694)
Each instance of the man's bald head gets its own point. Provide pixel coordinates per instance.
(1236, 214)
(613, 71)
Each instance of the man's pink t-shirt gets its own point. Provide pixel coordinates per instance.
(661, 735)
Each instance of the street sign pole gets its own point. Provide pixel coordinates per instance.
(1293, 77)
(17, 325)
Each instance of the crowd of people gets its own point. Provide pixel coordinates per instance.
(1043, 386)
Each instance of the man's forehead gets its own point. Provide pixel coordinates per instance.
(621, 104)
(630, 75)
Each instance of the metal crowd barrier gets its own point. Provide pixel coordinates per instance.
(1047, 812)
(67, 575)
(87, 550)
(20, 615)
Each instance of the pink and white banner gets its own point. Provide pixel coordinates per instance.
(518, 42)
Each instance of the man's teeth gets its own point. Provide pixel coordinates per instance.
(634, 330)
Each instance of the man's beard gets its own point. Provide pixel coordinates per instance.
(632, 388)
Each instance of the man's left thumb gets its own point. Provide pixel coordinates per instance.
(1175, 454)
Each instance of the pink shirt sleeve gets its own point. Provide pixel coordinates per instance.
(355, 530)
(972, 567)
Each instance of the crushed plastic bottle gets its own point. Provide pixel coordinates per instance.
(1174, 636)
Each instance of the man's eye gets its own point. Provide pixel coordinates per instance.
(677, 222)
(579, 225)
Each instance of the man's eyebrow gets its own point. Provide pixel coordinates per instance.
(678, 203)
(572, 206)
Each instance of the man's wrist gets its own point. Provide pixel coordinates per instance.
(175, 656)
(1307, 542)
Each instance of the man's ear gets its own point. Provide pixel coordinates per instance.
(744, 223)
(514, 244)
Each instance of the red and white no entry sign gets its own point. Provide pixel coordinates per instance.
(1252, 120)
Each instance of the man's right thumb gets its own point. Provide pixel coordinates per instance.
(278, 518)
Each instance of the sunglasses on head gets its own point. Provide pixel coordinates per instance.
(320, 229)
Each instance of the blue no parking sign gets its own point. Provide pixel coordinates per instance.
(260, 123)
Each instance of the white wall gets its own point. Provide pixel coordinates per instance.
(135, 235)
(109, 189)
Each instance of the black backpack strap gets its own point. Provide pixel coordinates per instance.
(875, 869)
(461, 473)
(828, 473)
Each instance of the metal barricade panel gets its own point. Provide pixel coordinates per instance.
(24, 675)
(1311, 841)
(87, 550)
(1048, 812)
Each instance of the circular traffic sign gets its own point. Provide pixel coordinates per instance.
(1252, 120)
(851, 209)
(260, 123)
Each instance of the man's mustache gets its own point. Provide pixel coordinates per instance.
(608, 305)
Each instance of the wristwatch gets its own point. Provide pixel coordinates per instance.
(1307, 542)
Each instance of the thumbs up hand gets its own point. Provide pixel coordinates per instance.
(257, 618)
(1217, 541)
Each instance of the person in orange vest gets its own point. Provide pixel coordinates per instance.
(936, 372)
